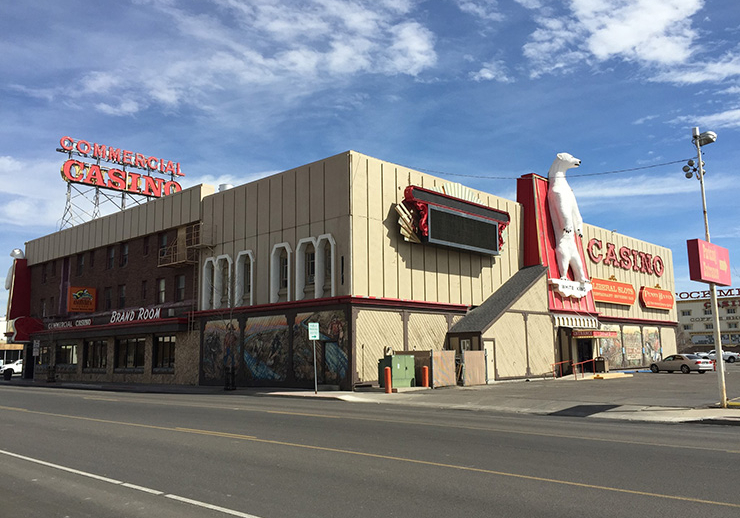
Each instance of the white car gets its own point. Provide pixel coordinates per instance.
(728, 356)
(16, 367)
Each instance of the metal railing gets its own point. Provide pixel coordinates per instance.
(583, 370)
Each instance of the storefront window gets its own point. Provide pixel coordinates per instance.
(66, 354)
(164, 353)
(130, 353)
(95, 354)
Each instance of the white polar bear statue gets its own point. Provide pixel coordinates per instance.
(566, 218)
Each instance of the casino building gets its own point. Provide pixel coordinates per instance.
(198, 286)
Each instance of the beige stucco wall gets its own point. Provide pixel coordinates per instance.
(636, 279)
(384, 265)
(153, 216)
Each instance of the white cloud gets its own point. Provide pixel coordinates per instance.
(725, 119)
(724, 68)
(639, 186)
(643, 120)
(492, 71)
(259, 47)
(650, 32)
(484, 9)
(24, 203)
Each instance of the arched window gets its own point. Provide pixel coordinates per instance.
(280, 278)
(244, 281)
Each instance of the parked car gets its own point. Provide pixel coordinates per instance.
(16, 367)
(728, 356)
(684, 363)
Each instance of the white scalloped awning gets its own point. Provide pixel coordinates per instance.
(576, 321)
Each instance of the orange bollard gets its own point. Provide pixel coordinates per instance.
(388, 381)
(425, 376)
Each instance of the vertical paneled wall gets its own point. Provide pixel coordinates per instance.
(384, 265)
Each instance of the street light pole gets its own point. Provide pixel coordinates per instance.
(699, 141)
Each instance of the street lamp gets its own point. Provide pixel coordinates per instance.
(700, 140)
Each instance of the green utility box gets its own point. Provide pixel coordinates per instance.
(402, 370)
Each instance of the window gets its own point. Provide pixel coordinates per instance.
(143, 292)
(92, 258)
(310, 267)
(732, 325)
(161, 291)
(80, 264)
(121, 296)
(685, 312)
(43, 308)
(707, 311)
(146, 245)
(51, 310)
(130, 353)
(708, 326)
(246, 280)
(688, 327)
(111, 258)
(283, 270)
(162, 244)
(66, 354)
(164, 353)
(53, 268)
(731, 311)
(108, 298)
(43, 273)
(95, 354)
(123, 260)
(179, 288)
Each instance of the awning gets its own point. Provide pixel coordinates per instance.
(578, 321)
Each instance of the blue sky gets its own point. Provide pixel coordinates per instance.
(477, 91)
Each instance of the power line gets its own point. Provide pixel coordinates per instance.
(570, 175)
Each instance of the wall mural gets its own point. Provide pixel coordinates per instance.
(653, 349)
(220, 339)
(611, 348)
(266, 348)
(332, 351)
(632, 336)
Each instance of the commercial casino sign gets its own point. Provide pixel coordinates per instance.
(134, 175)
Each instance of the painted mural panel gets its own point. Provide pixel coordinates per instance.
(332, 350)
(220, 339)
(611, 348)
(266, 348)
(632, 336)
(653, 350)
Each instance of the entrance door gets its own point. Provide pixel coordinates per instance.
(585, 353)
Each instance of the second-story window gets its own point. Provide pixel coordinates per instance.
(108, 298)
(161, 291)
(111, 256)
(123, 260)
(43, 273)
(80, 264)
(121, 296)
(179, 288)
(310, 267)
(283, 270)
(145, 245)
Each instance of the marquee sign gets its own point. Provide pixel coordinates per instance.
(426, 216)
(78, 171)
(593, 333)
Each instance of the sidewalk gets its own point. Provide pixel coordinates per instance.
(588, 398)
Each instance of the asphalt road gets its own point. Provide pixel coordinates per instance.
(69, 453)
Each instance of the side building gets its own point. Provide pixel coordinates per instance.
(696, 321)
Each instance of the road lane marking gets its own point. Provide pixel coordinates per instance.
(113, 481)
(392, 458)
(210, 506)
